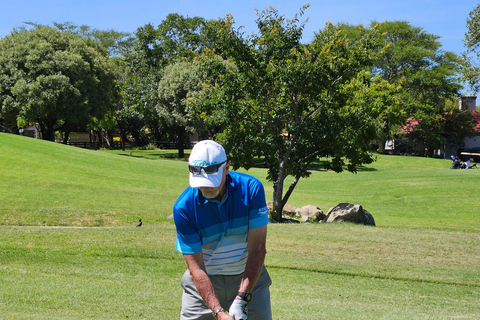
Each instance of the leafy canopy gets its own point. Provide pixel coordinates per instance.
(53, 78)
(287, 102)
(179, 83)
(471, 70)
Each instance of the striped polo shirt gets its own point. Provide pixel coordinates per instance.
(219, 228)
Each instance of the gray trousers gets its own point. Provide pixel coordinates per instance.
(226, 287)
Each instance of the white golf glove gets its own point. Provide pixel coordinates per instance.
(238, 310)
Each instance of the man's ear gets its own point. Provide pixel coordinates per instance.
(227, 166)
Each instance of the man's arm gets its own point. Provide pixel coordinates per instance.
(256, 256)
(202, 282)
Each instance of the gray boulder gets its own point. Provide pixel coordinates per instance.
(346, 212)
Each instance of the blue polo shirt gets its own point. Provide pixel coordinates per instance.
(219, 228)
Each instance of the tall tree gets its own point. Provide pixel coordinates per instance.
(54, 78)
(180, 36)
(471, 70)
(388, 99)
(286, 102)
(414, 60)
(180, 82)
(157, 47)
(116, 43)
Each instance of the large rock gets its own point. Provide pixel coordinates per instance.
(311, 213)
(346, 212)
(288, 210)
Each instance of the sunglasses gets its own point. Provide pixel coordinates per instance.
(196, 170)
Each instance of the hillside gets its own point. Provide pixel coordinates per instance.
(400, 269)
(45, 183)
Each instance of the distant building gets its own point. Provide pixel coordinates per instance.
(31, 131)
(467, 102)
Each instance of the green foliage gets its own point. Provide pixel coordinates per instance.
(472, 37)
(179, 83)
(115, 43)
(181, 37)
(408, 50)
(54, 78)
(174, 38)
(449, 128)
(284, 100)
(471, 69)
(458, 124)
(387, 101)
(156, 48)
(412, 60)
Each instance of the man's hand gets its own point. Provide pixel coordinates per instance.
(238, 310)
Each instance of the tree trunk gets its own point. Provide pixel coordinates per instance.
(47, 132)
(278, 193)
(123, 140)
(136, 136)
(381, 145)
(181, 138)
(106, 140)
(65, 137)
(93, 138)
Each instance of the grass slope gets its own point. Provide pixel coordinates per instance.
(420, 262)
(402, 192)
(45, 183)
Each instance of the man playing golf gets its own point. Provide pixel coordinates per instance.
(221, 222)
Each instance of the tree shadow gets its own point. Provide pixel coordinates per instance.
(153, 155)
(315, 166)
(258, 163)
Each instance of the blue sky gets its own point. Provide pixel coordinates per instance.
(445, 18)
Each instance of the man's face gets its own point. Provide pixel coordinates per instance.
(212, 193)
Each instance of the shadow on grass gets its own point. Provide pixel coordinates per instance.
(257, 162)
(154, 154)
(315, 166)
(322, 167)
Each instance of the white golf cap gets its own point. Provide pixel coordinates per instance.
(206, 153)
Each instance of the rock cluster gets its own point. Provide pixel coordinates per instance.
(343, 212)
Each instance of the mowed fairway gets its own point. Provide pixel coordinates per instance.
(69, 248)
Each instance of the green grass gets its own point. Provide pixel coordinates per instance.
(69, 248)
(401, 192)
(335, 271)
(45, 183)
(89, 273)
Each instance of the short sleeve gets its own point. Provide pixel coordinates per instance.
(258, 212)
(188, 237)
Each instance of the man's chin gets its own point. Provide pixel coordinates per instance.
(210, 194)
